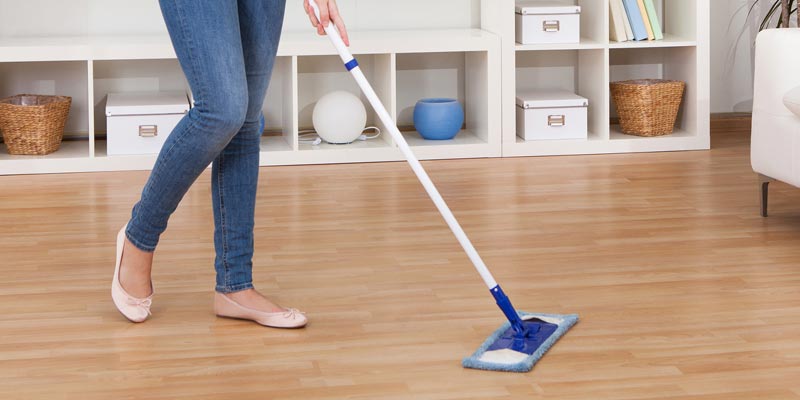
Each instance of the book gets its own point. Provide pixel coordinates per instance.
(646, 20)
(616, 25)
(626, 22)
(635, 18)
(654, 21)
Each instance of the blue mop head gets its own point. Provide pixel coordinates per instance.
(495, 354)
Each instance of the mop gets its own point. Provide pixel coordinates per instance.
(525, 338)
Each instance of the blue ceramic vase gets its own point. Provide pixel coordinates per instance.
(438, 119)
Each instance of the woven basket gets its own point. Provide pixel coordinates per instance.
(647, 107)
(33, 124)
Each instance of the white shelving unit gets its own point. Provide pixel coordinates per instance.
(459, 63)
(475, 59)
(588, 67)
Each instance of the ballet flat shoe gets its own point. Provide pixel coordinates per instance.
(227, 308)
(134, 309)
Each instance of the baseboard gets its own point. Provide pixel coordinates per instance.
(730, 122)
(731, 115)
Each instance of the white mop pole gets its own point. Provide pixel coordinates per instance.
(423, 177)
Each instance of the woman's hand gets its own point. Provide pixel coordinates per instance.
(329, 12)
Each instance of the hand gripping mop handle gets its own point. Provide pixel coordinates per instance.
(352, 65)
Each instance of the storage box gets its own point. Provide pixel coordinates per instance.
(546, 22)
(552, 115)
(139, 123)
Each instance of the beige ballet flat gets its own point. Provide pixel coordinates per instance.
(134, 309)
(227, 308)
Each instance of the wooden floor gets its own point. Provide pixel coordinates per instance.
(684, 292)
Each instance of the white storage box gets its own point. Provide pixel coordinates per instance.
(547, 22)
(552, 115)
(139, 123)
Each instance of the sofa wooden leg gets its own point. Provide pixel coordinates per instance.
(763, 183)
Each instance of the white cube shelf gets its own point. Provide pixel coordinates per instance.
(470, 54)
(590, 66)
(305, 69)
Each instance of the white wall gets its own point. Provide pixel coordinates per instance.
(78, 17)
(732, 38)
(731, 52)
(731, 41)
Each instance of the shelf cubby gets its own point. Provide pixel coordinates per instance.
(674, 63)
(572, 70)
(64, 78)
(678, 19)
(280, 108)
(125, 76)
(320, 75)
(594, 29)
(463, 76)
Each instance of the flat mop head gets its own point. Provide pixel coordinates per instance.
(505, 351)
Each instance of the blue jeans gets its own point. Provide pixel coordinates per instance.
(227, 50)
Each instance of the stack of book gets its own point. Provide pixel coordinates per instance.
(634, 20)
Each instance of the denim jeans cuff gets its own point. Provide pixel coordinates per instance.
(234, 288)
(138, 243)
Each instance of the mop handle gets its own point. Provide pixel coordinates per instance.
(352, 65)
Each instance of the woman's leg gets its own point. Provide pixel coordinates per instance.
(235, 171)
(207, 40)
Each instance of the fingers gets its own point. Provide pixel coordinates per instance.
(324, 14)
(339, 22)
(310, 13)
(313, 16)
(329, 12)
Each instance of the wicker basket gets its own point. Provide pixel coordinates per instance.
(33, 124)
(647, 107)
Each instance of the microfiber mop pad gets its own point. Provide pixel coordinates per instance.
(496, 354)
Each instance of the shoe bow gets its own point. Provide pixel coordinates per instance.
(293, 313)
(144, 303)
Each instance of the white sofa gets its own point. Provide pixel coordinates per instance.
(775, 140)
